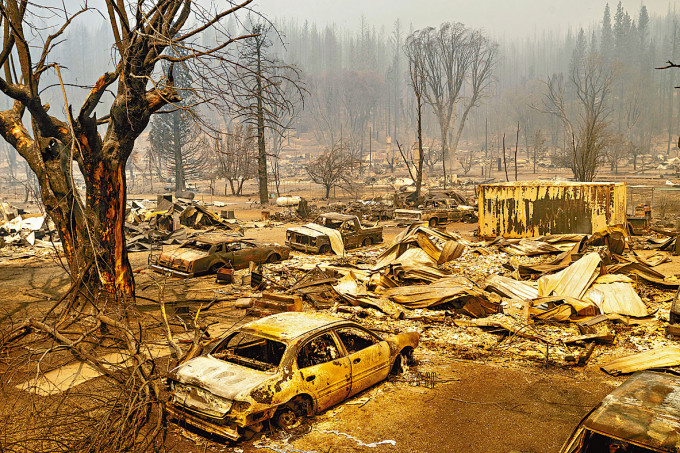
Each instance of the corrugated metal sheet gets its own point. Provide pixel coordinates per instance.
(536, 208)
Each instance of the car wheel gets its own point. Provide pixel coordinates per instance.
(403, 361)
(367, 242)
(273, 258)
(324, 249)
(291, 416)
(216, 267)
(433, 222)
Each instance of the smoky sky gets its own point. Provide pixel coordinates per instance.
(509, 18)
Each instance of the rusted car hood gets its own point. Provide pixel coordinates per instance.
(187, 255)
(306, 231)
(219, 377)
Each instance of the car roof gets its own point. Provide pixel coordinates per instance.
(219, 238)
(289, 325)
(645, 410)
(337, 216)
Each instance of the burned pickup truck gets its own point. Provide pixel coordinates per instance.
(332, 231)
(438, 211)
(209, 252)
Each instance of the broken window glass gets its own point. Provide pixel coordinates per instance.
(320, 350)
(355, 339)
(251, 351)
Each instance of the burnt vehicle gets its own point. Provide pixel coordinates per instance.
(332, 231)
(641, 416)
(438, 211)
(207, 253)
(283, 368)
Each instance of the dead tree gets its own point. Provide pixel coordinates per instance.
(236, 156)
(584, 114)
(416, 70)
(268, 89)
(332, 169)
(457, 72)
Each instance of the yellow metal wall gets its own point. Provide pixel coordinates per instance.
(528, 209)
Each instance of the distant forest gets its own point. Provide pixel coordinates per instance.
(358, 88)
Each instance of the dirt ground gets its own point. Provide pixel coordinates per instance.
(495, 405)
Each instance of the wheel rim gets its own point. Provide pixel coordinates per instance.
(288, 419)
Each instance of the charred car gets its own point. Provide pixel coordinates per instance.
(438, 211)
(641, 416)
(207, 253)
(333, 231)
(282, 368)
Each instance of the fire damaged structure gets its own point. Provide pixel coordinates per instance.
(282, 367)
(537, 208)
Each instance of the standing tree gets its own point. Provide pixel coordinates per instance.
(236, 155)
(585, 118)
(126, 411)
(175, 136)
(458, 70)
(268, 87)
(91, 228)
(332, 168)
(416, 71)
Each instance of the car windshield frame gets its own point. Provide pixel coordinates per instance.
(251, 340)
(197, 245)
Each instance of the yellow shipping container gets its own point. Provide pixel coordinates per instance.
(536, 208)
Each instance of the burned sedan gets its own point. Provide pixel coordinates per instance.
(207, 253)
(642, 415)
(282, 368)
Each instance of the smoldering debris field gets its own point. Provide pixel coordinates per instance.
(496, 352)
(257, 226)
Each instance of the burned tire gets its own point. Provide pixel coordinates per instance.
(273, 258)
(291, 416)
(403, 361)
(215, 267)
(367, 242)
(324, 249)
(433, 222)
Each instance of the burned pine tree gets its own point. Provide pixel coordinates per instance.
(267, 87)
(175, 136)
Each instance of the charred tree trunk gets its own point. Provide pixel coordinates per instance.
(421, 156)
(261, 149)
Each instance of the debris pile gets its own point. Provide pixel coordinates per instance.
(171, 223)
(553, 299)
(23, 235)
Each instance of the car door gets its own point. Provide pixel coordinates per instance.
(368, 356)
(349, 234)
(325, 371)
(244, 254)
